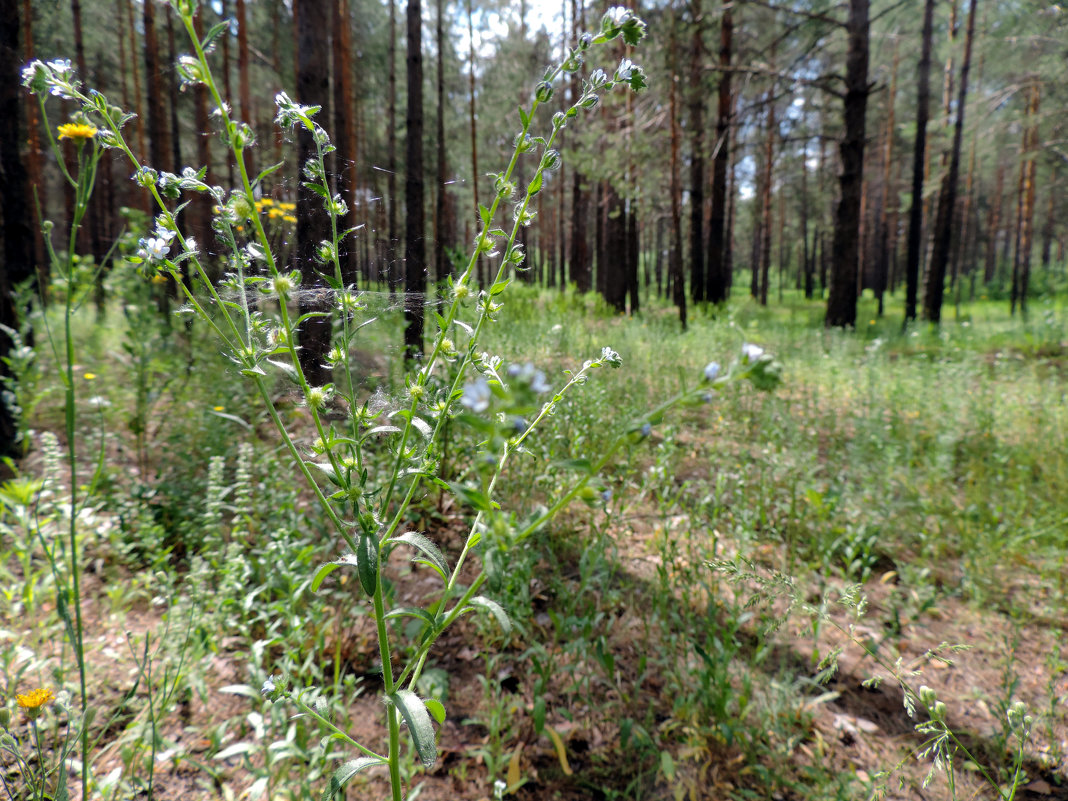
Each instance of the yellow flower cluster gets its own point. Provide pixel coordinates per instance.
(280, 210)
(76, 131)
(35, 699)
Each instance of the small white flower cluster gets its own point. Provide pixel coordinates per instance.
(55, 76)
(155, 248)
(531, 376)
(477, 395)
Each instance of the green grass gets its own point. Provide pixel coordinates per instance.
(937, 456)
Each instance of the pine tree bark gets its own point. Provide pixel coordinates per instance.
(345, 136)
(675, 276)
(718, 280)
(697, 158)
(923, 101)
(808, 254)
(18, 229)
(579, 265)
(888, 210)
(1051, 217)
(201, 205)
(1027, 200)
(766, 195)
(441, 237)
(943, 232)
(393, 274)
(313, 89)
(842, 299)
(33, 153)
(159, 140)
(472, 118)
(415, 222)
(244, 90)
(994, 224)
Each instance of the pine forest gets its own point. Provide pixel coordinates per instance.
(536, 400)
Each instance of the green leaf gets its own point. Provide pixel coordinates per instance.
(524, 117)
(382, 430)
(287, 369)
(433, 556)
(667, 765)
(415, 714)
(535, 185)
(233, 418)
(423, 427)
(367, 563)
(344, 773)
(321, 573)
(328, 471)
(267, 171)
(240, 689)
(500, 286)
(413, 611)
(235, 750)
(214, 33)
(484, 213)
(437, 709)
(484, 603)
(317, 189)
(474, 498)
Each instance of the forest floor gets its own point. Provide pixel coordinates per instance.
(847, 724)
(743, 621)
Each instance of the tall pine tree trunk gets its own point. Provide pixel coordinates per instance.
(947, 200)
(472, 118)
(675, 276)
(313, 89)
(1027, 200)
(923, 101)
(159, 140)
(888, 210)
(415, 215)
(345, 135)
(994, 224)
(766, 195)
(718, 267)
(697, 158)
(842, 299)
(18, 229)
(441, 236)
(244, 89)
(579, 262)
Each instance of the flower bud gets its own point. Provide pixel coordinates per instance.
(543, 92)
(146, 177)
(551, 160)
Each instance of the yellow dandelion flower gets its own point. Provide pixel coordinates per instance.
(288, 206)
(217, 408)
(266, 201)
(89, 376)
(274, 214)
(289, 218)
(35, 699)
(76, 131)
(159, 278)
